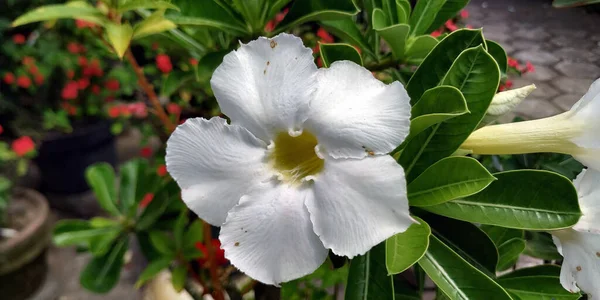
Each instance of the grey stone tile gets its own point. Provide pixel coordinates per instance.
(536, 108)
(537, 57)
(566, 101)
(578, 70)
(575, 86)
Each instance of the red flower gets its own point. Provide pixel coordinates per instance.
(70, 109)
(70, 74)
(82, 61)
(74, 48)
(464, 13)
(138, 109)
(109, 99)
(508, 84)
(146, 152)
(112, 85)
(84, 24)
(174, 108)
(325, 36)
(529, 68)
(219, 253)
(23, 146)
(450, 25)
(114, 112)
(161, 170)
(436, 33)
(69, 91)
(9, 78)
(28, 60)
(505, 86)
(95, 68)
(193, 62)
(163, 63)
(83, 83)
(146, 200)
(33, 70)
(24, 81)
(96, 89)
(319, 62)
(2, 130)
(39, 79)
(278, 18)
(513, 63)
(19, 39)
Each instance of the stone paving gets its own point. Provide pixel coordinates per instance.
(562, 44)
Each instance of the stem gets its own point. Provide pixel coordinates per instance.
(212, 264)
(149, 90)
(382, 65)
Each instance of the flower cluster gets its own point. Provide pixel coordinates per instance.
(27, 74)
(451, 24)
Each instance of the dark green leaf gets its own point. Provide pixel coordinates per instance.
(394, 35)
(207, 13)
(540, 245)
(208, 64)
(423, 16)
(572, 3)
(404, 290)
(509, 253)
(498, 53)
(456, 277)
(254, 12)
(100, 244)
(537, 287)
(346, 29)
(193, 234)
(178, 278)
(147, 4)
(162, 242)
(152, 270)
(101, 178)
(543, 270)
(500, 235)
(335, 52)
(523, 199)
(448, 11)
(131, 188)
(78, 10)
(405, 249)
(153, 211)
(178, 230)
(435, 106)
(368, 279)
(441, 182)
(418, 48)
(102, 273)
(317, 10)
(77, 232)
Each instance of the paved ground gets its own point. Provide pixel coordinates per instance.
(562, 44)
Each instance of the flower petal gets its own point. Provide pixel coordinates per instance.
(589, 157)
(588, 188)
(266, 85)
(214, 164)
(586, 112)
(353, 113)
(359, 203)
(581, 266)
(269, 235)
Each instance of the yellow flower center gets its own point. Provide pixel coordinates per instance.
(295, 157)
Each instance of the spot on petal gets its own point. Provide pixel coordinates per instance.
(273, 44)
(236, 244)
(578, 268)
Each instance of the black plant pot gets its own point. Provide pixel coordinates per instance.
(63, 158)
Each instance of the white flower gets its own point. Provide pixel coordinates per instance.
(580, 245)
(303, 166)
(575, 132)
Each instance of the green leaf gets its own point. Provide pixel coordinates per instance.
(435, 106)
(423, 16)
(498, 53)
(394, 35)
(102, 273)
(572, 3)
(162, 242)
(78, 232)
(347, 30)
(404, 9)
(208, 64)
(509, 253)
(101, 178)
(147, 4)
(405, 249)
(178, 229)
(466, 239)
(540, 245)
(543, 270)
(433, 69)
(338, 51)
(537, 287)
(153, 211)
(62, 11)
(500, 235)
(476, 75)
(441, 182)
(152, 270)
(448, 11)
(317, 10)
(155, 23)
(119, 36)
(100, 244)
(207, 13)
(178, 278)
(194, 234)
(131, 187)
(253, 11)
(523, 199)
(456, 277)
(418, 48)
(368, 279)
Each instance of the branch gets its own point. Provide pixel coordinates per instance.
(212, 264)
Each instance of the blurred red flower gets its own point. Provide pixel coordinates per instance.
(84, 24)
(83, 83)
(33, 69)
(436, 33)
(529, 68)
(278, 18)
(23, 146)
(75, 48)
(28, 60)
(193, 62)
(513, 63)
(112, 85)
(19, 39)
(163, 63)
(9, 78)
(82, 61)
(450, 25)
(325, 36)
(219, 253)
(70, 74)
(114, 112)
(69, 91)
(464, 13)
(39, 79)
(146, 200)
(138, 109)
(174, 108)
(1, 129)
(161, 170)
(24, 81)
(95, 89)
(146, 152)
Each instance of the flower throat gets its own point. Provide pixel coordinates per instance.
(295, 157)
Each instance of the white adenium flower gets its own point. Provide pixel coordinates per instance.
(302, 168)
(574, 132)
(580, 245)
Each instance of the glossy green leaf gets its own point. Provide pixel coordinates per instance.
(423, 16)
(456, 277)
(119, 36)
(394, 35)
(540, 245)
(178, 278)
(208, 64)
(101, 178)
(498, 53)
(147, 4)
(368, 279)
(101, 244)
(509, 253)
(346, 29)
(500, 235)
(433, 69)
(573, 3)
(131, 187)
(254, 12)
(435, 106)
(152, 270)
(418, 48)
(317, 10)
(537, 288)
(404, 290)
(153, 211)
(449, 10)
(193, 234)
(389, 8)
(403, 9)
(62, 11)
(162, 242)
(207, 13)
(276, 7)
(103, 272)
(523, 199)
(441, 182)
(542, 270)
(178, 230)
(336, 52)
(155, 23)
(77, 232)
(405, 249)
(466, 240)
